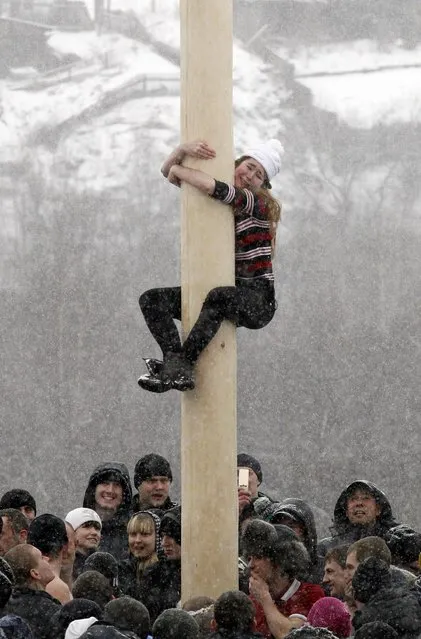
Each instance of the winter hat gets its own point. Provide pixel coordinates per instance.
(14, 627)
(259, 539)
(247, 461)
(47, 533)
(175, 624)
(404, 543)
(308, 632)
(371, 575)
(94, 586)
(149, 466)
(106, 564)
(269, 155)
(17, 498)
(376, 630)
(234, 613)
(171, 524)
(126, 613)
(5, 590)
(331, 613)
(285, 533)
(79, 516)
(78, 627)
(73, 610)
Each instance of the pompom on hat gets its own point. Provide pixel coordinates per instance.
(269, 155)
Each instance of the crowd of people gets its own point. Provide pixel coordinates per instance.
(112, 567)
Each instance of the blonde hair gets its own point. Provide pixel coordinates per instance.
(273, 207)
(144, 524)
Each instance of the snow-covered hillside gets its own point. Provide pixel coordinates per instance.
(72, 134)
(110, 63)
(363, 84)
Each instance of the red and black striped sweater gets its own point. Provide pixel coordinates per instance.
(253, 249)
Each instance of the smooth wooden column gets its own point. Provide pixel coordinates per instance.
(209, 432)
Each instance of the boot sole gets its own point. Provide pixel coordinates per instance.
(154, 385)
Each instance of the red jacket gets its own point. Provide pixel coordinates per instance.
(296, 601)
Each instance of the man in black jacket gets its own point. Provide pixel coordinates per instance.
(152, 480)
(29, 600)
(362, 510)
(109, 493)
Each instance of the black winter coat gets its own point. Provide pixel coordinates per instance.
(344, 533)
(114, 530)
(303, 514)
(160, 588)
(36, 607)
(167, 505)
(394, 606)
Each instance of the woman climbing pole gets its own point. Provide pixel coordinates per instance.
(251, 302)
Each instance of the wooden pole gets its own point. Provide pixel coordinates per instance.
(209, 434)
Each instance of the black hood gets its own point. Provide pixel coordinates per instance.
(121, 474)
(303, 514)
(341, 523)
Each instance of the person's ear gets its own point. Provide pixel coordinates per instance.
(214, 625)
(34, 574)
(23, 536)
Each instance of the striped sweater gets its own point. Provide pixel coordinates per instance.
(253, 250)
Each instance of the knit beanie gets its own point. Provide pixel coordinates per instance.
(16, 498)
(13, 626)
(376, 630)
(331, 613)
(171, 524)
(79, 516)
(371, 575)
(247, 461)
(47, 533)
(175, 624)
(126, 613)
(404, 543)
(149, 466)
(269, 155)
(308, 632)
(72, 610)
(105, 563)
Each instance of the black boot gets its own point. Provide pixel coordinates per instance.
(179, 371)
(154, 384)
(154, 366)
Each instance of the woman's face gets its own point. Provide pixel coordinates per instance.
(142, 544)
(88, 536)
(250, 174)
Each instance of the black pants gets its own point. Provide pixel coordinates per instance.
(244, 305)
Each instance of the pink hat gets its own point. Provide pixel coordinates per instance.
(331, 613)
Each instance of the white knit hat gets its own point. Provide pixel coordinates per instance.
(80, 516)
(269, 155)
(78, 627)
